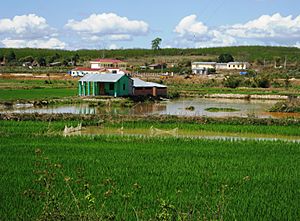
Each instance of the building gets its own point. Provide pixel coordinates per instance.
(116, 85)
(238, 65)
(205, 67)
(157, 66)
(202, 67)
(112, 65)
(143, 88)
(82, 71)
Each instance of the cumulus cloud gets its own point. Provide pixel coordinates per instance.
(267, 30)
(108, 24)
(25, 26)
(28, 31)
(47, 43)
(190, 28)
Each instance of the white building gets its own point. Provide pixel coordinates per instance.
(100, 66)
(204, 67)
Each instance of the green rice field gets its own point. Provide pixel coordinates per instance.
(45, 176)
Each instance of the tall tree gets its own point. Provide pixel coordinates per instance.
(11, 56)
(156, 43)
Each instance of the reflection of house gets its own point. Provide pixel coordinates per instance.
(105, 84)
(112, 65)
(204, 67)
(157, 66)
(143, 88)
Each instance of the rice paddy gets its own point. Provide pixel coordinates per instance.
(47, 176)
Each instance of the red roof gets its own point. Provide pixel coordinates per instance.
(107, 60)
(87, 69)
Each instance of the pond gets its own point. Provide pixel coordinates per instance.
(180, 107)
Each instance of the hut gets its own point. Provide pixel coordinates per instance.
(105, 84)
(143, 88)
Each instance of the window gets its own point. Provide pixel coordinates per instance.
(111, 86)
(124, 87)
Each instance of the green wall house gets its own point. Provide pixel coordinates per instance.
(116, 85)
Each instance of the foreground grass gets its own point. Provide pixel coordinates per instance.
(114, 178)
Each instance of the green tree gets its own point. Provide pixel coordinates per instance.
(41, 61)
(155, 43)
(11, 56)
(225, 58)
(75, 59)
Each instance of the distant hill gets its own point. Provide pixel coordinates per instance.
(244, 53)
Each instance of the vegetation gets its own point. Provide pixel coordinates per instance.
(217, 109)
(50, 177)
(291, 106)
(155, 44)
(244, 53)
(225, 58)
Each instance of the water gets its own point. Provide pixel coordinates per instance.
(155, 132)
(245, 108)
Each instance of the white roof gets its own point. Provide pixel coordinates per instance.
(205, 63)
(140, 83)
(107, 77)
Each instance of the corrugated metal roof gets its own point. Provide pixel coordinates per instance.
(140, 83)
(108, 77)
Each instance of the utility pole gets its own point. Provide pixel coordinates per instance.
(285, 62)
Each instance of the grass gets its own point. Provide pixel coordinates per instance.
(114, 178)
(217, 109)
(36, 94)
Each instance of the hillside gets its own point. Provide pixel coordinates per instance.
(245, 53)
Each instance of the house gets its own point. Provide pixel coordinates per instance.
(143, 88)
(157, 66)
(105, 84)
(203, 67)
(81, 71)
(112, 65)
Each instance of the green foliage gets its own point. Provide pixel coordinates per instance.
(155, 44)
(11, 56)
(127, 178)
(225, 58)
(233, 81)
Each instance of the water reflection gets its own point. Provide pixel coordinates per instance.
(244, 108)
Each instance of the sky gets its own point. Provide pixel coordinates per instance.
(114, 24)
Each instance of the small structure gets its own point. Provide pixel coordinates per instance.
(143, 88)
(112, 65)
(202, 67)
(81, 71)
(238, 65)
(157, 66)
(105, 84)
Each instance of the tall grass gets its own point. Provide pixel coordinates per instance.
(115, 178)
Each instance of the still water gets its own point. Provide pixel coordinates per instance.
(244, 108)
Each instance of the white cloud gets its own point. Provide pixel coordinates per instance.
(265, 30)
(108, 24)
(47, 43)
(25, 26)
(190, 28)
(113, 46)
(297, 45)
(266, 27)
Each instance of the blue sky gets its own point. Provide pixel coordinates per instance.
(133, 24)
